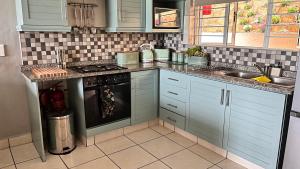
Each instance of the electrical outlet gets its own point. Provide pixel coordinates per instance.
(2, 50)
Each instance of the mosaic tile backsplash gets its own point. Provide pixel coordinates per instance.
(40, 48)
(239, 55)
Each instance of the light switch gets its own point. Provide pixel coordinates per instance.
(2, 50)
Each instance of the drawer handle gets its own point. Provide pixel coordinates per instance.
(173, 79)
(222, 96)
(171, 119)
(171, 105)
(173, 93)
(227, 98)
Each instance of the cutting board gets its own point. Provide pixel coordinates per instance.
(49, 72)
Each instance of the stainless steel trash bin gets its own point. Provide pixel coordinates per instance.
(61, 137)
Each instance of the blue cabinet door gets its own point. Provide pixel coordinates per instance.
(144, 96)
(126, 15)
(207, 110)
(254, 124)
(42, 15)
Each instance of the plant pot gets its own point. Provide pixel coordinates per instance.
(199, 61)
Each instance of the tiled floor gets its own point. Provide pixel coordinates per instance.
(151, 148)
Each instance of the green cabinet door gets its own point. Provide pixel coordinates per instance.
(126, 15)
(144, 96)
(42, 15)
(254, 121)
(207, 110)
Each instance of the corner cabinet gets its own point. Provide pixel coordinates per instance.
(42, 15)
(144, 96)
(125, 15)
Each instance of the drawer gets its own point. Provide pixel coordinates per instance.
(174, 92)
(173, 105)
(173, 78)
(172, 118)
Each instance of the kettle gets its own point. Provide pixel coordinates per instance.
(146, 53)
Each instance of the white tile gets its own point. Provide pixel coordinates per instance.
(24, 152)
(5, 158)
(143, 135)
(169, 126)
(101, 163)
(108, 135)
(207, 154)
(53, 162)
(132, 158)
(228, 164)
(82, 155)
(161, 147)
(162, 130)
(10, 167)
(186, 160)
(19, 140)
(154, 122)
(180, 140)
(186, 134)
(4, 144)
(156, 165)
(90, 141)
(134, 128)
(116, 144)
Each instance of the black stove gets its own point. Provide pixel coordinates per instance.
(97, 68)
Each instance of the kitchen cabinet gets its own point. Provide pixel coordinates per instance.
(125, 15)
(207, 110)
(174, 90)
(254, 125)
(42, 15)
(144, 96)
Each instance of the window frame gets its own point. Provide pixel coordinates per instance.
(267, 33)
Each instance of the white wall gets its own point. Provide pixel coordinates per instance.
(14, 118)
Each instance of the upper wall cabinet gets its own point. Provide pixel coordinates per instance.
(125, 15)
(42, 15)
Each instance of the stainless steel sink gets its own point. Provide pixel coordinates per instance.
(283, 81)
(245, 75)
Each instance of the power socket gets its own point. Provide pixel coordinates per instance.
(2, 50)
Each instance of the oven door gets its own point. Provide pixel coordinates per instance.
(106, 104)
(166, 18)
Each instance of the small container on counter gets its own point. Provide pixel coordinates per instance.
(174, 57)
(180, 57)
(186, 59)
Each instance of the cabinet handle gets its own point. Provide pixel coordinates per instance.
(120, 10)
(222, 96)
(173, 79)
(171, 119)
(171, 105)
(172, 93)
(227, 97)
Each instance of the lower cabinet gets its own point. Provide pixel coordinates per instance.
(207, 110)
(144, 96)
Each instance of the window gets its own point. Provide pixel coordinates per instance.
(256, 23)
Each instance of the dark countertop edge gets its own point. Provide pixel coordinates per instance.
(232, 80)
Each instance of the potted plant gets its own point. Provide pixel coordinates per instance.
(196, 56)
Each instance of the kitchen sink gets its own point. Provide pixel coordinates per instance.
(244, 75)
(283, 81)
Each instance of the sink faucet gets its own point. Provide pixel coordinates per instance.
(265, 70)
(61, 58)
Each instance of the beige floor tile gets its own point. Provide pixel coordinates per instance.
(5, 158)
(10, 167)
(130, 129)
(24, 152)
(3, 144)
(162, 130)
(161, 147)
(82, 155)
(156, 165)
(180, 140)
(228, 164)
(132, 158)
(116, 144)
(19, 140)
(186, 160)
(53, 162)
(101, 163)
(143, 135)
(215, 167)
(108, 135)
(207, 154)
(154, 122)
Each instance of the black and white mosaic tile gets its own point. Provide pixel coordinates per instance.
(240, 55)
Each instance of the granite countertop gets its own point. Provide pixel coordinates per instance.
(189, 70)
